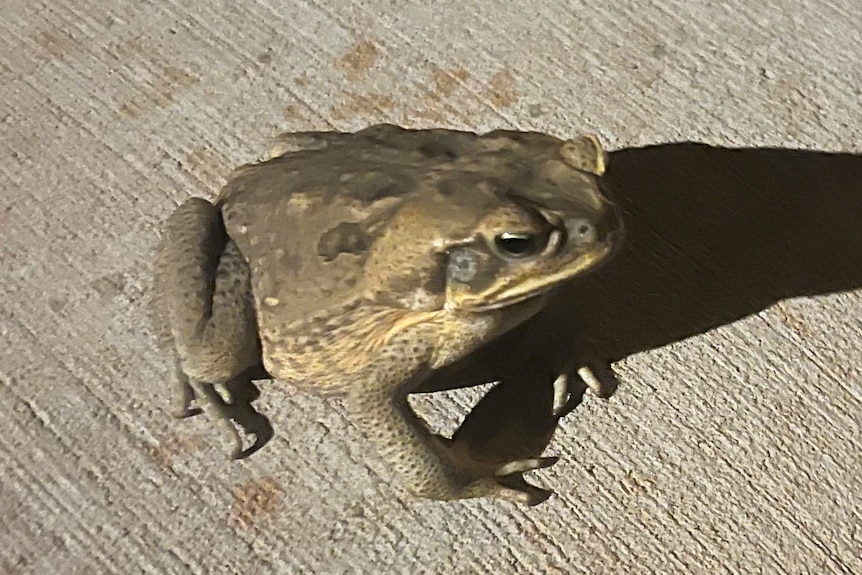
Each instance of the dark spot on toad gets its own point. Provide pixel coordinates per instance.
(345, 238)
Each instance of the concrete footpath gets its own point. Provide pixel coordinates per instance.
(734, 317)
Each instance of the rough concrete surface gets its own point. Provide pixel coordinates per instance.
(734, 318)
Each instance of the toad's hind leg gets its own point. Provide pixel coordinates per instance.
(205, 307)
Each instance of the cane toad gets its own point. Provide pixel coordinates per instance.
(357, 264)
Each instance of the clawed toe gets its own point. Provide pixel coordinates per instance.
(600, 379)
(524, 465)
(507, 482)
(262, 430)
(516, 489)
(186, 411)
(237, 412)
(511, 487)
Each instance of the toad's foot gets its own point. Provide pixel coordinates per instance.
(500, 480)
(513, 487)
(227, 404)
(505, 434)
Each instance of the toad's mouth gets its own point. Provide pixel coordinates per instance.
(523, 291)
(511, 300)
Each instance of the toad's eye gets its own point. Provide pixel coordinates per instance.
(518, 245)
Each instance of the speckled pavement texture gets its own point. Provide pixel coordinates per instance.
(733, 317)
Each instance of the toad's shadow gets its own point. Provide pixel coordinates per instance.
(712, 235)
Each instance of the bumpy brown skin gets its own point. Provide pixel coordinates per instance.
(358, 264)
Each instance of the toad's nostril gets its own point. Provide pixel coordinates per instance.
(581, 231)
(607, 226)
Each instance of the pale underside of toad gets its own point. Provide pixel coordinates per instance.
(359, 264)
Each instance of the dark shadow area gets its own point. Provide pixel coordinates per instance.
(715, 235)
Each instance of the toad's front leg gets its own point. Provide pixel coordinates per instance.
(425, 464)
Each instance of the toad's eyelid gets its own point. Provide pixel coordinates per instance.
(516, 236)
(555, 241)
